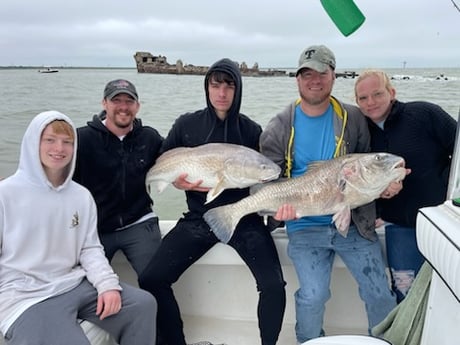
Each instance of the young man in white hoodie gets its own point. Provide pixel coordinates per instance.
(53, 270)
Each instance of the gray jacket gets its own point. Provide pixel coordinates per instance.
(351, 135)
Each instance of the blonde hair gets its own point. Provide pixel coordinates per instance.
(62, 127)
(381, 75)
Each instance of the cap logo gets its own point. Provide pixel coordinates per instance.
(309, 53)
(122, 84)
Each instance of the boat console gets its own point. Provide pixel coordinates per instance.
(438, 237)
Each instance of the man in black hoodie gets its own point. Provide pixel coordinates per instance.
(191, 238)
(115, 152)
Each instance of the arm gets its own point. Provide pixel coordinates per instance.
(91, 256)
(274, 140)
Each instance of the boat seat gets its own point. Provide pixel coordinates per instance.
(222, 254)
(346, 340)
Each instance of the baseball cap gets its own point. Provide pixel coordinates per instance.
(317, 58)
(115, 87)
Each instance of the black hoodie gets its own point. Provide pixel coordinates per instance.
(114, 171)
(204, 126)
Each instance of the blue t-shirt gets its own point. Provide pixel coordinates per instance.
(313, 141)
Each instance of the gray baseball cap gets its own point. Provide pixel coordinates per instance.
(317, 58)
(115, 87)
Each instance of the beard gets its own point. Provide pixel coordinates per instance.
(123, 121)
(315, 100)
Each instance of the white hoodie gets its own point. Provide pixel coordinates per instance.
(48, 235)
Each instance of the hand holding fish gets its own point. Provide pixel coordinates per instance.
(286, 212)
(181, 183)
(393, 188)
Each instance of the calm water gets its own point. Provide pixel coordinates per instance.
(78, 93)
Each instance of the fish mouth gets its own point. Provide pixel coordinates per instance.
(269, 178)
(400, 165)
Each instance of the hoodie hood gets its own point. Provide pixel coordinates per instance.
(231, 68)
(232, 132)
(30, 166)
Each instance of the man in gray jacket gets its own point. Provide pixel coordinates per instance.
(319, 127)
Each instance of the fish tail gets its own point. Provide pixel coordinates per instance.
(222, 221)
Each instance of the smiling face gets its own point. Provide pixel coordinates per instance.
(121, 111)
(374, 95)
(315, 87)
(56, 149)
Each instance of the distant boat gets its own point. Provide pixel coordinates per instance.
(48, 70)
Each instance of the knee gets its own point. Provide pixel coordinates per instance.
(150, 280)
(275, 286)
(313, 297)
(147, 299)
(275, 291)
(145, 306)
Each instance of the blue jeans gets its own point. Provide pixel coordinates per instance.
(139, 243)
(404, 258)
(312, 252)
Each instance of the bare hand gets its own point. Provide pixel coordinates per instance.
(379, 222)
(182, 183)
(108, 303)
(393, 188)
(286, 212)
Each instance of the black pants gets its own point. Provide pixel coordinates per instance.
(191, 239)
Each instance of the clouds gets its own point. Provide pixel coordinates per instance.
(424, 33)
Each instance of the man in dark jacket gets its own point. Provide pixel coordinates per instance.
(115, 152)
(191, 238)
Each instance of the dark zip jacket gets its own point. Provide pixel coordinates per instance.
(114, 170)
(424, 135)
(204, 126)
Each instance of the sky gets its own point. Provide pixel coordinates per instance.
(103, 33)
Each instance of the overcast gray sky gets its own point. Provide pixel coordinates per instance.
(101, 33)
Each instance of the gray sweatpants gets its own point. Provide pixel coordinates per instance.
(54, 321)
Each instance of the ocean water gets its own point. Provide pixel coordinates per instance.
(78, 93)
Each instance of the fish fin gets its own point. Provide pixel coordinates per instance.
(222, 222)
(336, 198)
(213, 193)
(161, 186)
(342, 184)
(342, 220)
(266, 213)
